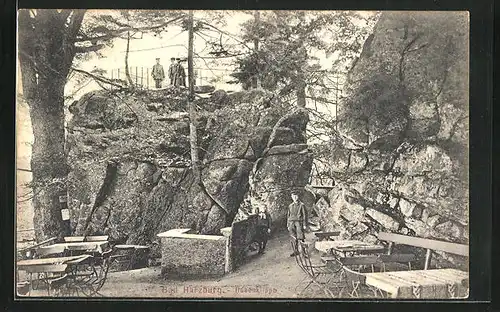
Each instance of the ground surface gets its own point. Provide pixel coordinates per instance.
(273, 274)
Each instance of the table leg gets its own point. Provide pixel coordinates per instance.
(31, 284)
(452, 289)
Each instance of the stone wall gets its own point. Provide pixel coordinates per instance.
(192, 256)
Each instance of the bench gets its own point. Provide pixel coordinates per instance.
(326, 235)
(428, 244)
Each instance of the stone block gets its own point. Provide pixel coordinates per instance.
(385, 220)
(191, 255)
(450, 229)
(419, 227)
(432, 221)
(393, 202)
(352, 212)
(410, 209)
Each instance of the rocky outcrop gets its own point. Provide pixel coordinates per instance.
(400, 157)
(130, 161)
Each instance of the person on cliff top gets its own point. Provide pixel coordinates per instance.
(158, 73)
(263, 228)
(179, 74)
(296, 220)
(171, 70)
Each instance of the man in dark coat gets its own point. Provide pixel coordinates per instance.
(179, 75)
(263, 228)
(158, 73)
(171, 70)
(296, 220)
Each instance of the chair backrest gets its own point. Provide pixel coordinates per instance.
(353, 276)
(102, 270)
(397, 258)
(454, 248)
(332, 263)
(305, 258)
(47, 268)
(359, 260)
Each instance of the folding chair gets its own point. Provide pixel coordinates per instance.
(318, 274)
(47, 273)
(354, 279)
(92, 278)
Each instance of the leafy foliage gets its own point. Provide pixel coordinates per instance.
(288, 41)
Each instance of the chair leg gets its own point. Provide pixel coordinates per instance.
(354, 292)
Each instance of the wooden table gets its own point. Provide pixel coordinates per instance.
(422, 284)
(74, 246)
(26, 264)
(347, 246)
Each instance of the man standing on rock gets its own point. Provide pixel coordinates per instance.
(158, 73)
(296, 220)
(179, 75)
(171, 70)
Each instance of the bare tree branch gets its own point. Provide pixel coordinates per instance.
(98, 78)
(114, 33)
(91, 48)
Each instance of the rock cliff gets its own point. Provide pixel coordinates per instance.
(400, 157)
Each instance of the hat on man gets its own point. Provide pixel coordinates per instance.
(178, 59)
(157, 58)
(172, 58)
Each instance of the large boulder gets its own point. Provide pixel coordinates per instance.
(284, 169)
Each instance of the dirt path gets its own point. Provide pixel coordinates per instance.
(271, 275)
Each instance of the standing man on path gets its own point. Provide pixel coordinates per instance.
(158, 73)
(171, 70)
(296, 220)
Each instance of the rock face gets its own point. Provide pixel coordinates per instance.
(130, 161)
(400, 159)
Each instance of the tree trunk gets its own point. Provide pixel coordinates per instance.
(48, 160)
(301, 92)
(193, 136)
(45, 58)
(127, 71)
(300, 86)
